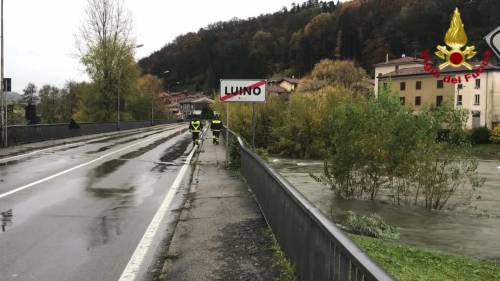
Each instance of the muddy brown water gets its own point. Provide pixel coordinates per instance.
(472, 230)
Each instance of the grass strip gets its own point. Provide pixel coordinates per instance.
(408, 263)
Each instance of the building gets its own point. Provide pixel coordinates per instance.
(289, 84)
(191, 107)
(173, 100)
(273, 89)
(394, 66)
(418, 89)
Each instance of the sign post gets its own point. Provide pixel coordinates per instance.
(493, 40)
(253, 125)
(240, 90)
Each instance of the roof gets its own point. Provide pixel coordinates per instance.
(271, 88)
(197, 100)
(412, 71)
(178, 94)
(403, 60)
(291, 80)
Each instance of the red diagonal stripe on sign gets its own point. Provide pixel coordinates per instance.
(235, 94)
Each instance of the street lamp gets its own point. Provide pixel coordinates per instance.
(118, 100)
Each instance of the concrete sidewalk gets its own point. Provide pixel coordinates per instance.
(221, 234)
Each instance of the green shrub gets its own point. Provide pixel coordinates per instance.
(234, 155)
(495, 135)
(372, 225)
(262, 152)
(480, 135)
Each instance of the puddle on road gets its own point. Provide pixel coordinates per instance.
(173, 155)
(107, 168)
(104, 148)
(176, 151)
(103, 192)
(151, 146)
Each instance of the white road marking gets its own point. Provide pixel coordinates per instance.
(76, 167)
(134, 265)
(65, 145)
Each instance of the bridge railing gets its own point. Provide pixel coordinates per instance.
(315, 245)
(19, 134)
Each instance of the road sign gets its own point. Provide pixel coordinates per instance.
(493, 40)
(7, 82)
(243, 90)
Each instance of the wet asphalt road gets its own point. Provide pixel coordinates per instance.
(85, 223)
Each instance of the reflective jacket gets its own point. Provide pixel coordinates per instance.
(195, 126)
(216, 125)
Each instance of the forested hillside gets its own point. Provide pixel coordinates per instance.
(291, 41)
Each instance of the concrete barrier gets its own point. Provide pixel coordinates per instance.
(315, 245)
(21, 134)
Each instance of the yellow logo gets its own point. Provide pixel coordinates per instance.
(456, 39)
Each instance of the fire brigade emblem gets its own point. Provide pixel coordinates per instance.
(456, 39)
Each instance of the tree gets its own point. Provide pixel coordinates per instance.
(29, 92)
(149, 87)
(106, 51)
(321, 36)
(334, 73)
(50, 104)
(57, 105)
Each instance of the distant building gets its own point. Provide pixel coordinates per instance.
(282, 87)
(192, 107)
(276, 90)
(289, 84)
(173, 101)
(394, 66)
(417, 89)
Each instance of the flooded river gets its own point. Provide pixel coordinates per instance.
(472, 231)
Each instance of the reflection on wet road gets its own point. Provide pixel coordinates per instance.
(86, 223)
(472, 231)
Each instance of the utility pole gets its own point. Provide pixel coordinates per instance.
(4, 95)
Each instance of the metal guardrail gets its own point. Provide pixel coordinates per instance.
(19, 134)
(317, 247)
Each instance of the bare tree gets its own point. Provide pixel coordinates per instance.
(105, 48)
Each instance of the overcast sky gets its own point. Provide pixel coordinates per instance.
(40, 43)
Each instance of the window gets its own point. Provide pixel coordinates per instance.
(439, 84)
(459, 100)
(439, 100)
(402, 100)
(418, 100)
(402, 86)
(460, 86)
(478, 83)
(418, 85)
(476, 99)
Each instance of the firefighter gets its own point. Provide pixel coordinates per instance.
(195, 128)
(216, 126)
